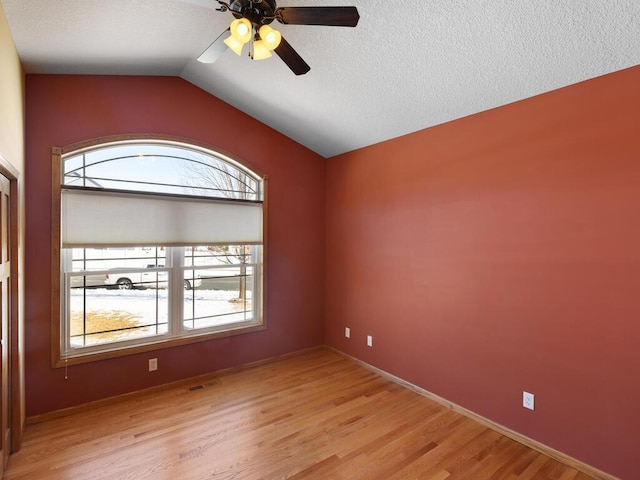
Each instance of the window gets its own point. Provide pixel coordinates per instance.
(160, 242)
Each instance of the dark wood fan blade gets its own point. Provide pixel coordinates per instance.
(329, 16)
(291, 58)
(213, 51)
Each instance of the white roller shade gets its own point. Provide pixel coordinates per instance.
(101, 218)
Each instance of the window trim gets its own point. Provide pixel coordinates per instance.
(57, 360)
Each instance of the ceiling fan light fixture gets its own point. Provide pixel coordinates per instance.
(241, 30)
(260, 50)
(270, 36)
(240, 34)
(234, 44)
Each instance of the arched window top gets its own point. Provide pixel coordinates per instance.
(161, 167)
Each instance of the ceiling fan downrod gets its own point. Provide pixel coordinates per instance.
(260, 12)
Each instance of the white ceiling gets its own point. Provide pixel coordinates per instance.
(405, 67)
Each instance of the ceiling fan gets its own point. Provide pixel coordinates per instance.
(252, 19)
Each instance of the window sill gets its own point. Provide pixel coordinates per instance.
(153, 346)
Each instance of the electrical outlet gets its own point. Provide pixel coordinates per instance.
(369, 341)
(347, 332)
(153, 364)
(528, 400)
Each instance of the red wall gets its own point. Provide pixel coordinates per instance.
(62, 110)
(501, 253)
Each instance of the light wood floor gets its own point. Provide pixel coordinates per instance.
(317, 415)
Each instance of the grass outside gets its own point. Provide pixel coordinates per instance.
(113, 324)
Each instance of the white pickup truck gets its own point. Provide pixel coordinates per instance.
(126, 279)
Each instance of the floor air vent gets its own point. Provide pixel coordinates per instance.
(201, 386)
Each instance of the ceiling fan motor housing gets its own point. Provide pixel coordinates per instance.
(258, 13)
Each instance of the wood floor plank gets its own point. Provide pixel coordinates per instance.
(317, 415)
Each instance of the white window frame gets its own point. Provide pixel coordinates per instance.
(174, 268)
(64, 354)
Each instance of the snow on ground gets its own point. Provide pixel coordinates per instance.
(150, 307)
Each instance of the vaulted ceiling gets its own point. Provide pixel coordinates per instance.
(405, 67)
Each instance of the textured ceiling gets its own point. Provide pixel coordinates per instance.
(406, 66)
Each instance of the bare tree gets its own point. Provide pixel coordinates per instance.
(214, 178)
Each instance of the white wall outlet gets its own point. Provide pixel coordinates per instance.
(528, 400)
(347, 332)
(369, 341)
(153, 364)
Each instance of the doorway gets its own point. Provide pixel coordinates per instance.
(11, 385)
(5, 315)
